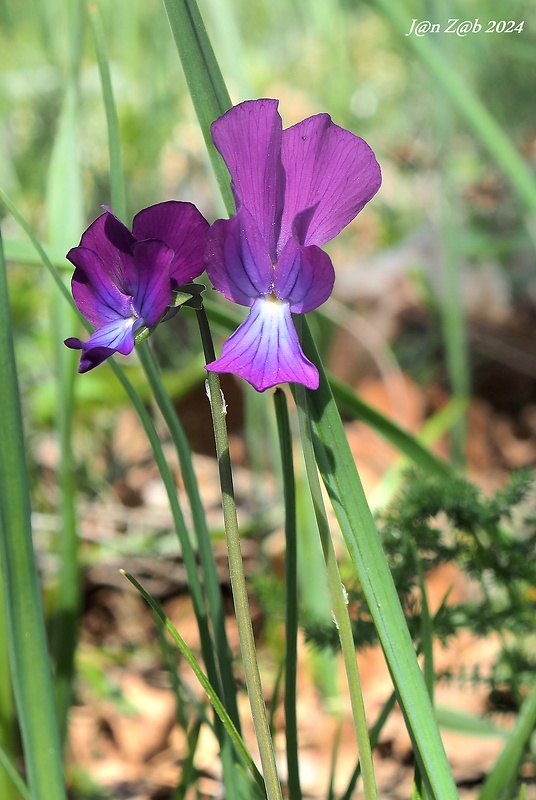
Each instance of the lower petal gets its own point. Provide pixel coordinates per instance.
(115, 337)
(264, 349)
(91, 357)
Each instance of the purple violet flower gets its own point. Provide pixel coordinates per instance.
(124, 280)
(294, 189)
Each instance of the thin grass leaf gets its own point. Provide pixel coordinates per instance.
(206, 553)
(205, 82)
(9, 735)
(32, 682)
(339, 598)
(404, 442)
(374, 734)
(21, 252)
(205, 683)
(464, 722)
(333, 768)
(344, 488)
(64, 220)
(433, 429)
(13, 787)
(500, 783)
(117, 185)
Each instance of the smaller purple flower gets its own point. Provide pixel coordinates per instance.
(124, 280)
(294, 189)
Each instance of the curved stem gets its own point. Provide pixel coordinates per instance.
(236, 571)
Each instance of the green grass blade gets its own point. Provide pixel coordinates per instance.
(344, 488)
(291, 594)
(503, 775)
(404, 442)
(117, 186)
(206, 554)
(470, 106)
(32, 682)
(339, 599)
(14, 786)
(205, 82)
(64, 222)
(468, 723)
(205, 683)
(9, 734)
(375, 732)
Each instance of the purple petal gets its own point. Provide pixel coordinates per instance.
(249, 138)
(265, 351)
(183, 228)
(153, 259)
(237, 260)
(331, 175)
(112, 241)
(117, 336)
(90, 358)
(96, 295)
(304, 276)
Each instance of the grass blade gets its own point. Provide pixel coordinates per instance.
(117, 186)
(342, 482)
(64, 222)
(32, 682)
(205, 683)
(505, 769)
(205, 82)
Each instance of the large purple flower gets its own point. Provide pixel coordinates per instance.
(295, 190)
(124, 280)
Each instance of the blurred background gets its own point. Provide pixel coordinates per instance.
(432, 317)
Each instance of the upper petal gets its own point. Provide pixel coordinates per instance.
(304, 276)
(183, 228)
(249, 138)
(265, 350)
(331, 174)
(112, 241)
(237, 260)
(153, 259)
(95, 293)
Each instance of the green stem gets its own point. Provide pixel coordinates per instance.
(206, 555)
(291, 594)
(236, 571)
(339, 601)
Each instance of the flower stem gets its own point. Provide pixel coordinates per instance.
(236, 570)
(339, 600)
(291, 594)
